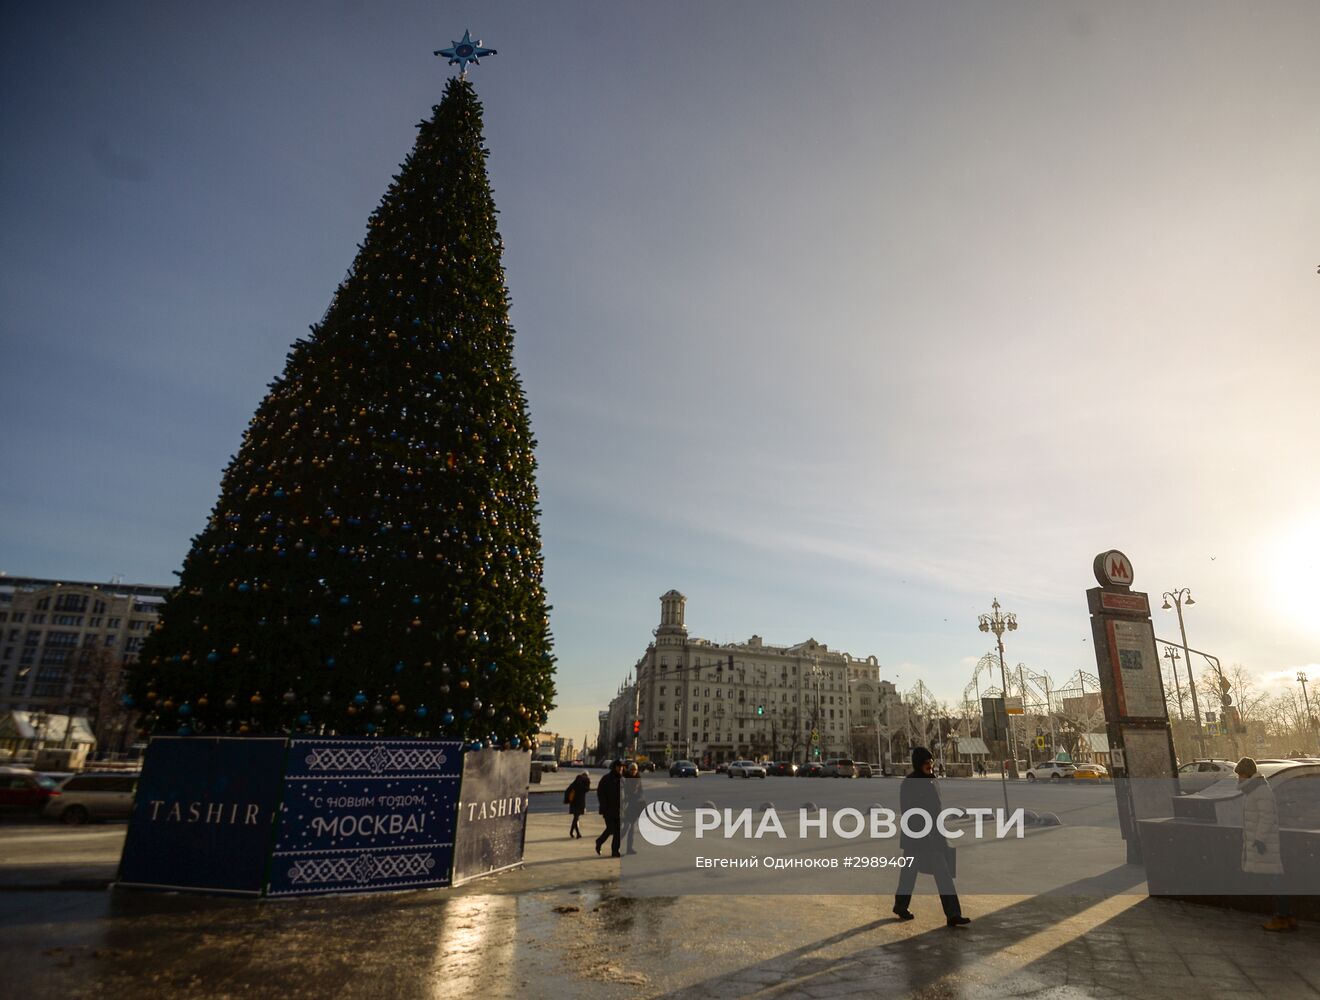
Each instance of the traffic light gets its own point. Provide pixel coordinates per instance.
(760, 710)
(637, 726)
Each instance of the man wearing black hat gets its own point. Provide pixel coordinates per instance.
(608, 795)
(930, 852)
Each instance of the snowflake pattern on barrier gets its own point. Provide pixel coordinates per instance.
(361, 869)
(376, 759)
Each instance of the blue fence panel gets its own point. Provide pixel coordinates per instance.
(204, 814)
(366, 815)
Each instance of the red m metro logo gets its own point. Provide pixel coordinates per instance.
(1112, 569)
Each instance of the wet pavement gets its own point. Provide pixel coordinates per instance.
(559, 927)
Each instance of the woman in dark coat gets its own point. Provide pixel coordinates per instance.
(576, 797)
(930, 853)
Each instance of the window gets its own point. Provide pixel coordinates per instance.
(98, 608)
(67, 620)
(38, 619)
(94, 623)
(43, 604)
(71, 602)
(19, 615)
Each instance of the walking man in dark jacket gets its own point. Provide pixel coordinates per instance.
(608, 794)
(930, 853)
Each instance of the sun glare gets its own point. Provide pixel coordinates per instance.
(1295, 576)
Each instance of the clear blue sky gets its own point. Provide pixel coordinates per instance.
(841, 318)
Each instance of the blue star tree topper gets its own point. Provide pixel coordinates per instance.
(466, 51)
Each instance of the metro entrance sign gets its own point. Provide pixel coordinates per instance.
(1132, 692)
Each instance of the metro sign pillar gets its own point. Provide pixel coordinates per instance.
(1132, 692)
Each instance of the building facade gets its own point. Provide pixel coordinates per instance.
(713, 702)
(64, 646)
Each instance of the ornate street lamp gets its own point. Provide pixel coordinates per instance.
(1180, 597)
(1310, 720)
(1000, 622)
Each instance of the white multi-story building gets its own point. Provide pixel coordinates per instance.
(64, 646)
(713, 702)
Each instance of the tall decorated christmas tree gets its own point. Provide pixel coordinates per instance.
(373, 564)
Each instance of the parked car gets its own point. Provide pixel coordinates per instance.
(1198, 775)
(782, 769)
(24, 791)
(683, 769)
(812, 769)
(864, 770)
(840, 767)
(86, 797)
(746, 769)
(1091, 772)
(1051, 770)
(1296, 787)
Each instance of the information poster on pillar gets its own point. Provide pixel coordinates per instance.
(365, 816)
(492, 814)
(1136, 670)
(203, 815)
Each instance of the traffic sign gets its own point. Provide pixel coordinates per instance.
(1040, 742)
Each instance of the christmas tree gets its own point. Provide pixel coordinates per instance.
(373, 564)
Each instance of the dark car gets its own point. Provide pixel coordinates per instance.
(815, 769)
(24, 791)
(683, 769)
(782, 768)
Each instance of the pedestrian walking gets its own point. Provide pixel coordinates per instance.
(608, 794)
(576, 797)
(1260, 840)
(634, 801)
(930, 853)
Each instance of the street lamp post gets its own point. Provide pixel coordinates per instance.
(1000, 622)
(1179, 597)
(1310, 722)
(816, 674)
(1171, 654)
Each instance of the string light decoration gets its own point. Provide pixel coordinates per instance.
(373, 563)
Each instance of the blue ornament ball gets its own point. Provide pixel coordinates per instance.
(213, 657)
(420, 712)
(447, 718)
(304, 719)
(315, 620)
(515, 743)
(127, 701)
(359, 698)
(185, 710)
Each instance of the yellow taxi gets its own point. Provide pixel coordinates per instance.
(1091, 772)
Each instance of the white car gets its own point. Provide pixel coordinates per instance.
(1198, 775)
(548, 762)
(746, 769)
(1051, 770)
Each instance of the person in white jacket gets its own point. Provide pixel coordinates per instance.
(1260, 839)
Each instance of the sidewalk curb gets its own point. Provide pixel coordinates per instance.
(64, 885)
